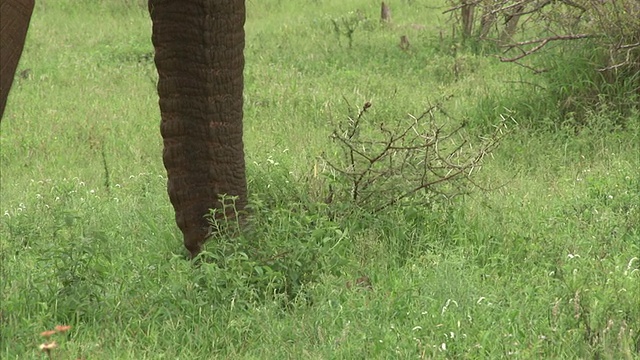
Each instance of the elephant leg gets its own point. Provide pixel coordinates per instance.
(14, 22)
(199, 56)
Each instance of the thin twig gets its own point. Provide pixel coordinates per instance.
(457, 7)
(542, 42)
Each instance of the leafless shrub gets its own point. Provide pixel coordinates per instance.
(384, 163)
(614, 26)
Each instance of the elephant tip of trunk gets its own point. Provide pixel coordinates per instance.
(193, 243)
(194, 250)
(193, 254)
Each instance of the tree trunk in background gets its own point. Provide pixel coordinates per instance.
(487, 21)
(511, 24)
(14, 22)
(199, 55)
(467, 17)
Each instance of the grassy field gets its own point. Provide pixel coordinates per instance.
(546, 265)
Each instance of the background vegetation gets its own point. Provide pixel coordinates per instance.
(545, 265)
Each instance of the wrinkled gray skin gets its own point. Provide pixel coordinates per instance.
(199, 48)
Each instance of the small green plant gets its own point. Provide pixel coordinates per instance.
(346, 25)
(269, 259)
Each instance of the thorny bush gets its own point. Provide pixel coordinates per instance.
(387, 162)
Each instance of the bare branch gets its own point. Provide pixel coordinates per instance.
(629, 46)
(385, 164)
(509, 7)
(458, 7)
(542, 43)
(535, 71)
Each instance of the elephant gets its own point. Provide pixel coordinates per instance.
(14, 21)
(199, 56)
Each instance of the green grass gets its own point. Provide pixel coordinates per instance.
(547, 265)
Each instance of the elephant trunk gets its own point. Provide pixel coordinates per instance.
(199, 56)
